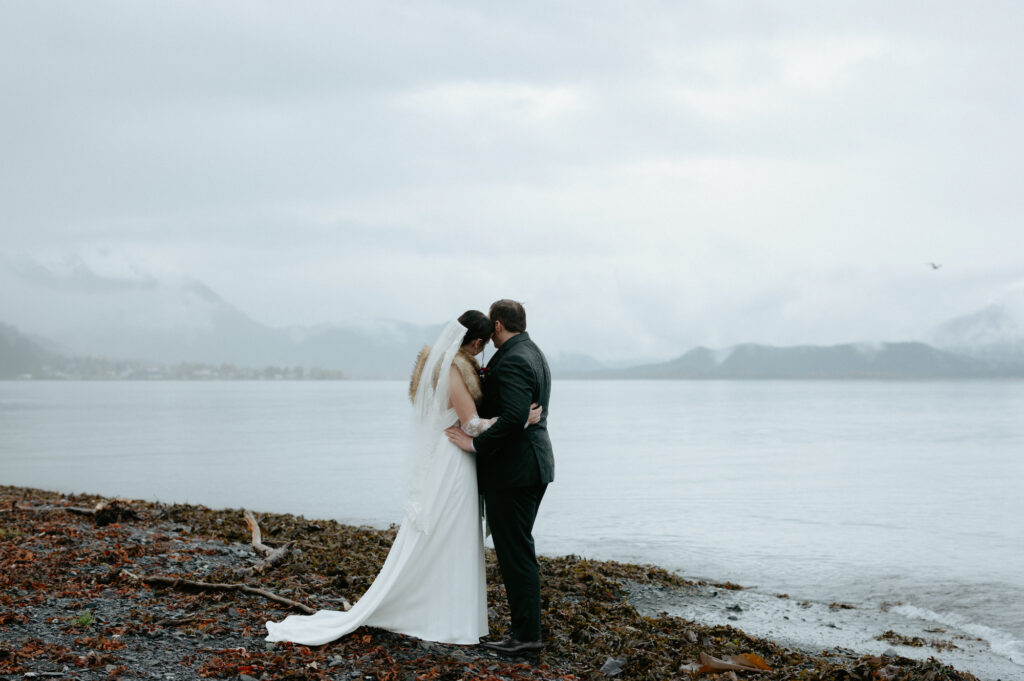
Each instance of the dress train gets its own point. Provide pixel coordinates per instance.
(432, 585)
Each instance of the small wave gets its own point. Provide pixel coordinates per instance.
(1002, 643)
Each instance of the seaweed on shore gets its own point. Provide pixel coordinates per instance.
(66, 606)
(914, 641)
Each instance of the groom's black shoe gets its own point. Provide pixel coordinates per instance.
(511, 646)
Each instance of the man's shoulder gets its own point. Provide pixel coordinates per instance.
(525, 355)
(531, 348)
(523, 346)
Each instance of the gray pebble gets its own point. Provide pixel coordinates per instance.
(613, 666)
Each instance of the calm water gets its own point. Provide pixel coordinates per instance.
(848, 491)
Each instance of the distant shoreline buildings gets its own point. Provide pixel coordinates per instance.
(98, 369)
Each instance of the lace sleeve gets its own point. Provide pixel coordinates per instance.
(477, 425)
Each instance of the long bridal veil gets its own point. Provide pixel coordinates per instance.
(432, 584)
(431, 415)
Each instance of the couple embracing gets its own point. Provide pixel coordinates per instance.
(477, 432)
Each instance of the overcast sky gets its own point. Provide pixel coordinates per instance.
(645, 176)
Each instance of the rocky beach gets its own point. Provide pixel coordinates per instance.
(95, 588)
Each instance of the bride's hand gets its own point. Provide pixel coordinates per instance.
(535, 412)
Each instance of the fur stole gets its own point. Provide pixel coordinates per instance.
(468, 368)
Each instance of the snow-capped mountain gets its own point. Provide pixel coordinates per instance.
(995, 333)
(873, 361)
(145, 319)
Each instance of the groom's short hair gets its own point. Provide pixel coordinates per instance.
(510, 313)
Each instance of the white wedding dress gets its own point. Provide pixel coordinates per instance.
(433, 583)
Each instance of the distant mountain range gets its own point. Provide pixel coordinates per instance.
(141, 319)
(87, 324)
(371, 353)
(26, 356)
(879, 361)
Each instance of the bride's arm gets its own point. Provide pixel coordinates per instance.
(464, 405)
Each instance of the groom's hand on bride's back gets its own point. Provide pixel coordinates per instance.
(460, 439)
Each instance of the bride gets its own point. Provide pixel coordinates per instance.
(432, 585)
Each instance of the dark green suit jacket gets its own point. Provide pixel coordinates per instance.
(507, 454)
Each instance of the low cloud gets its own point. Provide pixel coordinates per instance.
(653, 177)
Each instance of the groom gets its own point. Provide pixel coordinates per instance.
(514, 466)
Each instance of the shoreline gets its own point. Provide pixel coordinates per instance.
(813, 626)
(71, 604)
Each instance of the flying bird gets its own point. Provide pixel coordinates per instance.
(935, 266)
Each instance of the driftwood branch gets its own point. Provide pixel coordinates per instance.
(272, 558)
(188, 584)
(39, 508)
(76, 510)
(257, 536)
(105, 512)
(116, 508)
(272, 543)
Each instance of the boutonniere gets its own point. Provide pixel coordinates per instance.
(482, 373)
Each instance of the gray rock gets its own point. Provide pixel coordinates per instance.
(613, 666)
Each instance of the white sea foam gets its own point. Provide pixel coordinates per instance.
(1001, 642)
(816, 626)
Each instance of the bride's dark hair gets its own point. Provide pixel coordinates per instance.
(477, 326)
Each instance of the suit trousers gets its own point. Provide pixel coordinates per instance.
(510, 514)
